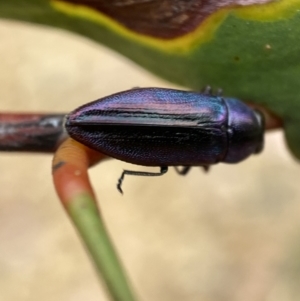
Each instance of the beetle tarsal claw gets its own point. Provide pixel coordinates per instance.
(119, 184)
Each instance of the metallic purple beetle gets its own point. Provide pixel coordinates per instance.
(165, 127)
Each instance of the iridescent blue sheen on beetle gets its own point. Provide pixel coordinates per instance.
(165, 127)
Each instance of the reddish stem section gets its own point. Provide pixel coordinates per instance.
(70, 170)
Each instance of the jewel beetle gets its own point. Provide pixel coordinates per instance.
(167, 127)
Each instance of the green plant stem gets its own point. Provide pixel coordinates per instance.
(85, 215)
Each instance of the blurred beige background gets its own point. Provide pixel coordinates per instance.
(233, 234)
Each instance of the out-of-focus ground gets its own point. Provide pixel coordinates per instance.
(232, 234)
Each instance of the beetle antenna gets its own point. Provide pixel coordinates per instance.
(163, 170)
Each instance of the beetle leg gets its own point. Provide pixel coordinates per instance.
(207, 90)
(182, 171)
(186, 169)
(206, 168)
(163, 170)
